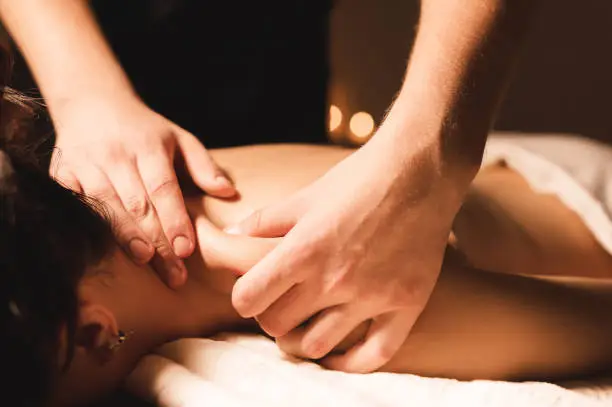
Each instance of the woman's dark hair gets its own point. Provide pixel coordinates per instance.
(49, 236)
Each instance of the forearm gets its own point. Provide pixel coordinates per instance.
(459, 67)
(64, 48)
(480, 325)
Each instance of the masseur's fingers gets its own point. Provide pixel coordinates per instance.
(62, 173)
(272, 221)
(129, 235)
(321, 335)
(386, 335)
(203, 170)
(130, 188)
(290, 310)
(68, 180)
(265, 283)
(235, 253)
(171, 232)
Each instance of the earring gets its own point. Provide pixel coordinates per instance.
(121, 338)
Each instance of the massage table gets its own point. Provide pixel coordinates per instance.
(248, 370)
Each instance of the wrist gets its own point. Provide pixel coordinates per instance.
(83, 83)
(417, 169)
(451, 146)
(64, 105)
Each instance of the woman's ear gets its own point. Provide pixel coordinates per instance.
(233, 253)
(97, 331)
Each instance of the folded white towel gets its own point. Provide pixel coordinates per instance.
(249, 371)
(577, 170)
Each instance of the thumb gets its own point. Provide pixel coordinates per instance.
(203, 170)
(235, 253)
(272, 221)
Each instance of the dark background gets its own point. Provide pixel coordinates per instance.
(563, 83)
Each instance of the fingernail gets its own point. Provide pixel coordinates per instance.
(232, 230)
(140, 250)
(182, 246)
(223, 182)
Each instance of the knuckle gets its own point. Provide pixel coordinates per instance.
(61, 175)
(383, 353)
(164, 187)
(58, 165)
(272, 325)
(399, 296)
(101, 192)
(122, 228)
(137, 206)
(162, 247)
(167, 136)
(338, 280)
(285, 344)
(316, 348)
(110, 154)
(241, 302)
(405, 293)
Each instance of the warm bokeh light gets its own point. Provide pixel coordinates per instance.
(335, 117)
(362, 125)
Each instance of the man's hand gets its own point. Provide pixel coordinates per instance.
(119, 151)
(364, 242)
(109, 144)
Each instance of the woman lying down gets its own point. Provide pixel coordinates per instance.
(513, 300)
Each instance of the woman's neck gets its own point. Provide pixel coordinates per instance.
(206, 299)
(156, 314)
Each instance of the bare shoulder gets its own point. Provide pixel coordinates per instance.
(265, 174)
(271, 159)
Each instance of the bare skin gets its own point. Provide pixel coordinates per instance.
(112, 145)
(478, 324)
(416, 170)
(423, 156)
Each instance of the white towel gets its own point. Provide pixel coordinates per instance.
(577, 170)
(248, 370)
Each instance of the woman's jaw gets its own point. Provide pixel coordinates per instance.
(121, 297)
